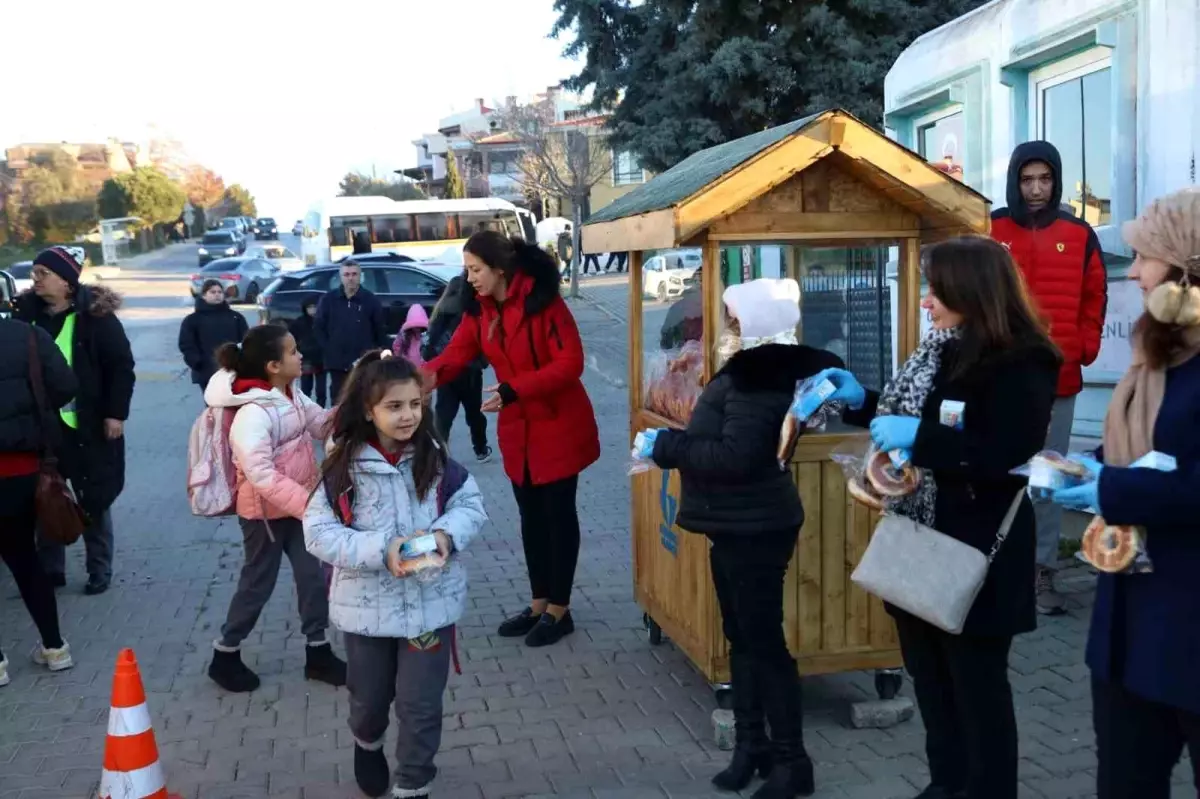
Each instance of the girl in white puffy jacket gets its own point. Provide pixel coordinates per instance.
(388, 480)
(272, 442)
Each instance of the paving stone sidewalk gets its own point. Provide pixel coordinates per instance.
(603, 714)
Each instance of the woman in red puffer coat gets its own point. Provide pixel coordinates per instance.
(547, 431)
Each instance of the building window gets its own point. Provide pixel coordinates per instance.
(1072, 110)
(627, 169)
(941, 140)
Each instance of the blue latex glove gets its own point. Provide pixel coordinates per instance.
(807, 405)
(894, 432)
(846, 385)
(647, 443)
(1082, 497)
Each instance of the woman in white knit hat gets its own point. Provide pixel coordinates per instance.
(735, 493)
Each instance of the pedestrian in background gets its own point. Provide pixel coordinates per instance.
(546, 429)
(23, 437)
(349, 322)
(734, 492)
(83, 322)
(213, 323)
(1144, 646)
(988, 350)
(399, 628)
(312, 370)
(412, 335)
(466, 390)
(1063, 266)
(272, 441)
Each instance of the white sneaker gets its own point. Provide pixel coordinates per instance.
(4, 679)
(53, 659)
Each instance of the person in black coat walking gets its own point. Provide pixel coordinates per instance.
(83, 321)
(23, 435)
(734, 492)
(312, 375)
(466, 389)
(989, 351)
(349, 321)
(1144, 646)
(212, 324)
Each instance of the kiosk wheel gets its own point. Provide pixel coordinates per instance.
(652, 628)
(888, 683)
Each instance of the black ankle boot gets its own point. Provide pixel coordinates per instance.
(792, 770)
(322, 665)
(228, 671)
(751, 751)
(371, 771)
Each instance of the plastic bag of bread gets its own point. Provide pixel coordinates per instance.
(1049, 471)
(639, 458)
(673, 380)
(874, 477)
(420, 559)
(809, 411)
(1121, 549)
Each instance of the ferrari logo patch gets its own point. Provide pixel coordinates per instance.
(1060, 247)
(428, 642)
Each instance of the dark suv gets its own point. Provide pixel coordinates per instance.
(219, 244)
(397, 286)
(265, 228)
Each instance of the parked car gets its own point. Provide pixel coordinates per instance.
(277, 254)
(298, 228)
(265, 228)
(666, 275)
(22, 275)
(8, 291)
(383, 256)
(250, 223)
(219, 244)
(397, 286)
(243, 278)
(237, 227)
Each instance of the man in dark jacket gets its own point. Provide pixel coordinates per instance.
(82, 320)
(212, 324)
(312, 376)
(1060, 257)
(349, 322)
(466, 389)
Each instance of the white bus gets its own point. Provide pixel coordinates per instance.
(420, 229)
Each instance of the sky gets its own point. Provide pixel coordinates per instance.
(282, 97)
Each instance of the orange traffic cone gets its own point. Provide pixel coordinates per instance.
(131, 766)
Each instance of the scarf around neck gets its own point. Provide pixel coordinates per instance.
(1133, 410)
(905, 395)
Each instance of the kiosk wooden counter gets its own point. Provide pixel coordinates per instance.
(828, 201)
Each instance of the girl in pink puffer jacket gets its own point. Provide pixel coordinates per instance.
(411, 338)
(272, 442)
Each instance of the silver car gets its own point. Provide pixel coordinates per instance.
(277, 254)
(243, 278)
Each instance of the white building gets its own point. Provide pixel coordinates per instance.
(1112, 83)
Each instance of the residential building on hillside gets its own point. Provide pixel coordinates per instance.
(98, 162)
(1113, 84)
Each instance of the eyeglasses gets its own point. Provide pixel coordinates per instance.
(40, 273)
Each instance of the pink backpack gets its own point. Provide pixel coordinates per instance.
(212, 478)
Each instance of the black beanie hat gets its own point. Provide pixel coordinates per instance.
(66, 262)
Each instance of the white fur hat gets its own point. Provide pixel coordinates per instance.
(767, 308)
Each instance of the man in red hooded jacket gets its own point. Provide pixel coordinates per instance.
(1060, 257)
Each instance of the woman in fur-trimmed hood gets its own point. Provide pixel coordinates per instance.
(82, 319)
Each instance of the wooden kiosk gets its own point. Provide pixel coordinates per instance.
(825, 200)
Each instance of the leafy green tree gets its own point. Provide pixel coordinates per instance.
(682, 75)
(54, 200)
(356, 184)
(454, 188)
(239, 202)
(145, 193)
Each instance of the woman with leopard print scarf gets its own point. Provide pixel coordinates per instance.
(989, 351)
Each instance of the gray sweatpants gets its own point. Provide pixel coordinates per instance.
(259, 573)
(414, 674)
(1047, 515)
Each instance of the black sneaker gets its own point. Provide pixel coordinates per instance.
(485, 456)
(322, 665)
(228, 671)
(371, 771)
(518, 626)
(95, 585)
(549, 630)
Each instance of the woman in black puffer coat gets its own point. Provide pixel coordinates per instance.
(23, 432)
(212, 324)
(734, 492)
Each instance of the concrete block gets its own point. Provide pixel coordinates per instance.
(881, 713)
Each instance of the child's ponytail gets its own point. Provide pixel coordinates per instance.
(249, 359)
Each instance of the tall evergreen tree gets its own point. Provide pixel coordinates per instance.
(454, 189)
(682, 75)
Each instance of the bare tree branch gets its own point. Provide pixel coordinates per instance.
(558, 159)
